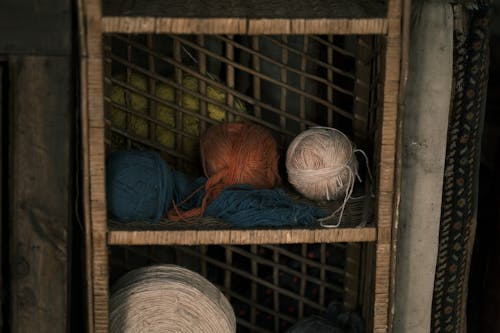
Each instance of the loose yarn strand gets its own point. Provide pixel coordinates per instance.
(370, 176)
(348, 193)
(350, 185)
(366, 161)
(175, 214)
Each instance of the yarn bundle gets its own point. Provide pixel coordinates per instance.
(247, 207)
(241, 166)
(139, 186)
(321, 165)
(168, 298)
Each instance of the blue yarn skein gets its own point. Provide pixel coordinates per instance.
(139, 186)
(247, 207)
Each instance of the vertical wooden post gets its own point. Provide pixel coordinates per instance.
(94, 165)
(35, 37)
(40, 196)
(386, 179)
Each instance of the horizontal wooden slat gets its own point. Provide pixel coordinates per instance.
(280, 236)
(231, 25)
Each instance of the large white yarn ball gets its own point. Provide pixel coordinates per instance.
(168, 299)
(321, 164)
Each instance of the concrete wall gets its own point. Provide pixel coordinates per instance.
(425, 128)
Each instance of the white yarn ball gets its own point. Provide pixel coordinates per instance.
(321, 163)
(168, 299)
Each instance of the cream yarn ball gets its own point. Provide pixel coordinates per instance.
(168, 298)
(321, 164)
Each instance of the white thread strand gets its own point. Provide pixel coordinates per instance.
(367, 169)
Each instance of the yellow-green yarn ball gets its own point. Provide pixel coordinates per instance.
(166, 115)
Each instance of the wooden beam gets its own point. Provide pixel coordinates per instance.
(40, 189)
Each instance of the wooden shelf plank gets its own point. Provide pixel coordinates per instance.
(342, 26)
(170, 233)
(245, 17)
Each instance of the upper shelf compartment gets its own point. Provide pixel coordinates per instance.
(245, 16)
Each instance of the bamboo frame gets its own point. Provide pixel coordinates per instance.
(92, 27)
(386, 182)
(204, 237)
(243, 26)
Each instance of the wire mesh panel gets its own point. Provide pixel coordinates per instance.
(269, 286)
(164, 90)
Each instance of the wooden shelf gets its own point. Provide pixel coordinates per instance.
(245, 17)
(207, 230)
(184, 233)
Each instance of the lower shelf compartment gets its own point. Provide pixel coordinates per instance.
(270, 287)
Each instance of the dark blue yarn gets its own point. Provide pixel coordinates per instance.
(247, 207)
(139, 186)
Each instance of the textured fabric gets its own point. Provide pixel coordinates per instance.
(459, 201)
(245, 206)
(139, 186)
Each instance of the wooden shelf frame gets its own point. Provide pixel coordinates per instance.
(92, 27)
(126, 24)
(240, 237)
(245, 17)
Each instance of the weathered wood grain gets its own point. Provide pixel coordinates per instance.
(40, 189)
(279, 236)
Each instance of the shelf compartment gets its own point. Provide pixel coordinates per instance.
(269, 286)
(284, 83)
(246, 17)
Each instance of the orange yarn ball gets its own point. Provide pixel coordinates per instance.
(240, 153)
(235, 153)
